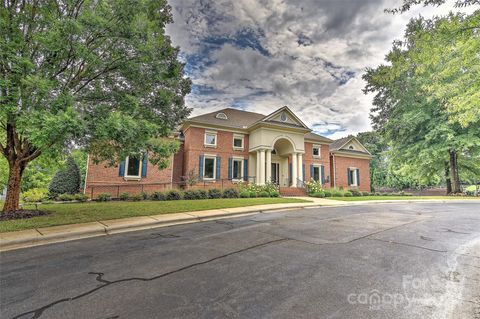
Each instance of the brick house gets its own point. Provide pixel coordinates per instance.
(225, 147)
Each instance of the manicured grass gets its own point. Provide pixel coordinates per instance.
(72, 213)
(365, 198)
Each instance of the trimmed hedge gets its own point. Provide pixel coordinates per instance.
(231, 193)
(214, 193)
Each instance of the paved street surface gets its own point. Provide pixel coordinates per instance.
(418, 260)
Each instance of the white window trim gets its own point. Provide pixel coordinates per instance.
(319, 151)
(214, 157)
(319, 171)
(205, 139)
(241, 137)
(132, 177)
(242, 160)
(354, 181)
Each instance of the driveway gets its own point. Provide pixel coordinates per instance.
(416, 260)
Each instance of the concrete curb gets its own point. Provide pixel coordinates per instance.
(55, 234)
(63, 233)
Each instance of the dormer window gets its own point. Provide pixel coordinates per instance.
(351, 147)
(221, 116)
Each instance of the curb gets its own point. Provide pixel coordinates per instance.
(41, 236)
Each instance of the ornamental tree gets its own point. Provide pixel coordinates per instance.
(100, 74)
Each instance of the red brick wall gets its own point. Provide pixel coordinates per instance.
(104, 179)
(178, 165)
(343, 163)
(308, 160)
(194, 147)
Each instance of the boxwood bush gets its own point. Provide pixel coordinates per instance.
(327, 193)
(191, 194)
(124, 196)
(231, 193)
(337, 194)
(202, 194)
(104, 197)
(263, 194)
(275, 194)
(66, 197)
(136, 197)
(245, 194)
(355, 192)
(81, 197)
(348, 194)
(318, 194)
(157, 196)
(173, 194)
(214, 193)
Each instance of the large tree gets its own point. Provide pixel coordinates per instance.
(414, 97)
(408, 4)
(95, 73)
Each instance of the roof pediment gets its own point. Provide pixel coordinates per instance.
(284, 116)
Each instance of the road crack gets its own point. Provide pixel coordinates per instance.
(36, 313)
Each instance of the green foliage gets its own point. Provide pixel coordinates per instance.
(202, 194)
(318, 194)
(275, 194)
(173, 194)
(214, 193)
(337, 193)
(104, 197)
(67, 180)
(136, 197)
(191, 194)
(348, 194)
(66, 197)
(253, 194)
(408, 4)
(245, 194)
(158, 196)
(101, 75)
(269, 187)
(327, 193)
(124, 196)
(231, 193)
(263, 194)
(366, 193)
(313, 186)
(35, 195)
(355, 192)
(144, 195)
(81, 197)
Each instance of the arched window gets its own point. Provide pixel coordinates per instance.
(221, 116)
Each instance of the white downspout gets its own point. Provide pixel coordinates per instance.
(86, 175)
(334, 172)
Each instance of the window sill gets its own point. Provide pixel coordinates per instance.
(132, 178)
(317, 156)
(210, 146)
(238, 149)
(211, 180)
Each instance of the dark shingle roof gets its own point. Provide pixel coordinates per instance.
(317, 137)
(235, 118)
(335, 146)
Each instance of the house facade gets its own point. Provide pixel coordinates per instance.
(222, 148)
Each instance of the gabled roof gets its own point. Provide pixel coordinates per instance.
(290, 118)
(235, 118)
(340, 145)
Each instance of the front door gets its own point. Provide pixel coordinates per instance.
(276, 173)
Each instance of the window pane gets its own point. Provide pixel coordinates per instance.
(316, 173)
(133, 168)
(209, 168)
(210, 139)
(237, 169)
(316, 151)
(237, 142)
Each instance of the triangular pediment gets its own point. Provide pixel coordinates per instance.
(286, 117)
(354, 145)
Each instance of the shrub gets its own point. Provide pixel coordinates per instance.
(275, 194)
(81, 197)
(137, 197)
(319, 194)
(263, 194)
(337, 194)
(202, 194)
(214, 193)
(35, 195)
(144, 195)
(66, 180)
(66, 197)
(341, 188)
(231, 193)
(313, 186)
(327, 193)
(348, 194)
(157, 196)
(378, 194)
(124, 196)
(173, 194)
(366, 193)
(253, 194)
(355, 192)
(245, 194)
(190, 194)
(104, 197)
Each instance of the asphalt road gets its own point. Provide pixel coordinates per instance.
(376, 261)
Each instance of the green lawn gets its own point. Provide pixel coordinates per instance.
(365, 198)
(63, 214)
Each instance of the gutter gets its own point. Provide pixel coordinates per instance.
(86, 175)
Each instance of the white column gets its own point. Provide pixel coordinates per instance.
(262, 167)
(294, 170)
(268, 177)
(300, 170)
(257, 163)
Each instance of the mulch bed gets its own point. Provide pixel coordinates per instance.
(22, 214)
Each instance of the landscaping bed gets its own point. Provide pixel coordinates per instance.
(72, 213)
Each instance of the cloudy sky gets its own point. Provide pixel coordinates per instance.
(258, 55)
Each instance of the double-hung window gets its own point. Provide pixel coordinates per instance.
(133, 168)
(316, 173)
(238, 142)
(237, 169)
(316, 150)
(210, 139)
(209, 167)
(353, 175)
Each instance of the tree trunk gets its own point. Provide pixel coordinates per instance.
(12, 200)
(455, 179)
(447, 177)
